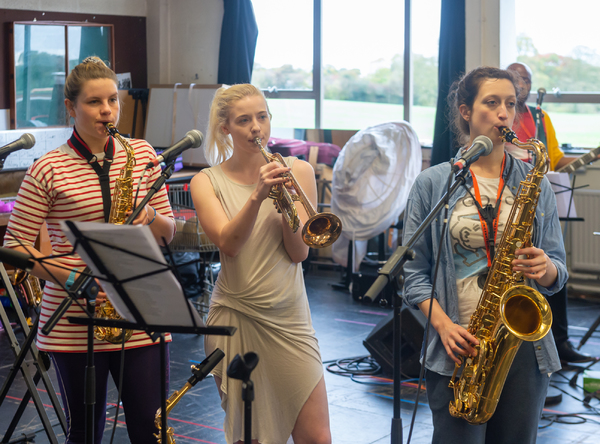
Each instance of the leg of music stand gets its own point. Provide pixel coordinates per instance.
(163, 390)
(588, 333)
(90, 380)
(24, 367)
(349, 271)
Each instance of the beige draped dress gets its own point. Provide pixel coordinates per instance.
(261, 292)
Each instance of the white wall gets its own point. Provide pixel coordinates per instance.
(488, 23)
(183, 41)
(182, 35)
(110, 7)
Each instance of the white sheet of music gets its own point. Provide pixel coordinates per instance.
(158, 297)
(561, 184)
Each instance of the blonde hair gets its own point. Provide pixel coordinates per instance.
(219, 146)
(90, 68)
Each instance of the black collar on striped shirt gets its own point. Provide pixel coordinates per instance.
(81, 148)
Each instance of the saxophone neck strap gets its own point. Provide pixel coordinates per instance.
(81, 148)
(489, 215)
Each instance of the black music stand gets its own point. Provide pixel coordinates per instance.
(119, 281)
(558, 189)
(22, 366)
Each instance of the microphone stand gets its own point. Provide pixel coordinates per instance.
(389, 273)
(86, 286)
(538, 114)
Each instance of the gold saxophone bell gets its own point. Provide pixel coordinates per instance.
(321, 229)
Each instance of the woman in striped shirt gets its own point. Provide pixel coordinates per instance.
(62, 185)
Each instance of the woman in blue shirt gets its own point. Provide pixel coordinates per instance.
(482, 101)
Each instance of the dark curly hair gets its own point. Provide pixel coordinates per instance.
(463, 92)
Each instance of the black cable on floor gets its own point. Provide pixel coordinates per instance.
(360, 365)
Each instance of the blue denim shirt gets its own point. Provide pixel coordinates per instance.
(428, 189)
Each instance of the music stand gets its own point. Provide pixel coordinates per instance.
(121, 256)
(20, 365)
(559, 187)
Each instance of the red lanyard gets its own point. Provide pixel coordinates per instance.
(489, 216)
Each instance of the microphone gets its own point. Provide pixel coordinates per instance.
(192, 139)
(24, 142)
(540, 97)
(16, 258)
(482, 146)
(202, 370)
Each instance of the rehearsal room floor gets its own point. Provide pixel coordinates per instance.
(361, 408)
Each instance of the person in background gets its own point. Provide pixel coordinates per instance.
(63, 185)
(260, 288)
(525, 128)
(481, 102)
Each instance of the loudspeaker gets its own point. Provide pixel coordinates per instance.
(380, 342)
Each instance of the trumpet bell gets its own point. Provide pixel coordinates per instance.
(322, 230)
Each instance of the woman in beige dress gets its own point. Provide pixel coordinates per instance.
(260, 288)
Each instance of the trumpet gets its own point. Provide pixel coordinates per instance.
(322, 229)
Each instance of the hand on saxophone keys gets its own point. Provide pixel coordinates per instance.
(145, 217)
(535, 264)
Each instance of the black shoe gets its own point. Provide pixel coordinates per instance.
(553, 397)
(568, 354)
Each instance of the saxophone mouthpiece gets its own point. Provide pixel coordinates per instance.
(507, 134)
(257, 141)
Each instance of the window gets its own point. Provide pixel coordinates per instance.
(564, 56)
(41, 52)
(339, 64)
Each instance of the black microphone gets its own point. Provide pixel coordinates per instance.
(540, 97)
(482, 146)
(202, 370)
(16, 258)
(192, 139)
(24, 142)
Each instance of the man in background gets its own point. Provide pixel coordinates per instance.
(525, 128)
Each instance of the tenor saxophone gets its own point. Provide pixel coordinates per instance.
(122, 202)
(508, 311)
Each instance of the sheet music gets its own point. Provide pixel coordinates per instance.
(564, 194)
(158, 297)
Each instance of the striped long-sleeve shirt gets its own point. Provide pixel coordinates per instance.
(61, 185)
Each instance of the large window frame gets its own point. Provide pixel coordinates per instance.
(318, 91)
(13, 68)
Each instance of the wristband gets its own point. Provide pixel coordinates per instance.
(154, 216)
(70, 279)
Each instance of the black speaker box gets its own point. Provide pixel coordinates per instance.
(363, 280)
(380, 342)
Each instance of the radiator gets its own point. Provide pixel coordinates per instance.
(585, 247)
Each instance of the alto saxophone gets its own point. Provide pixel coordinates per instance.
(122, 202)
(508, 311)
(29, 286)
